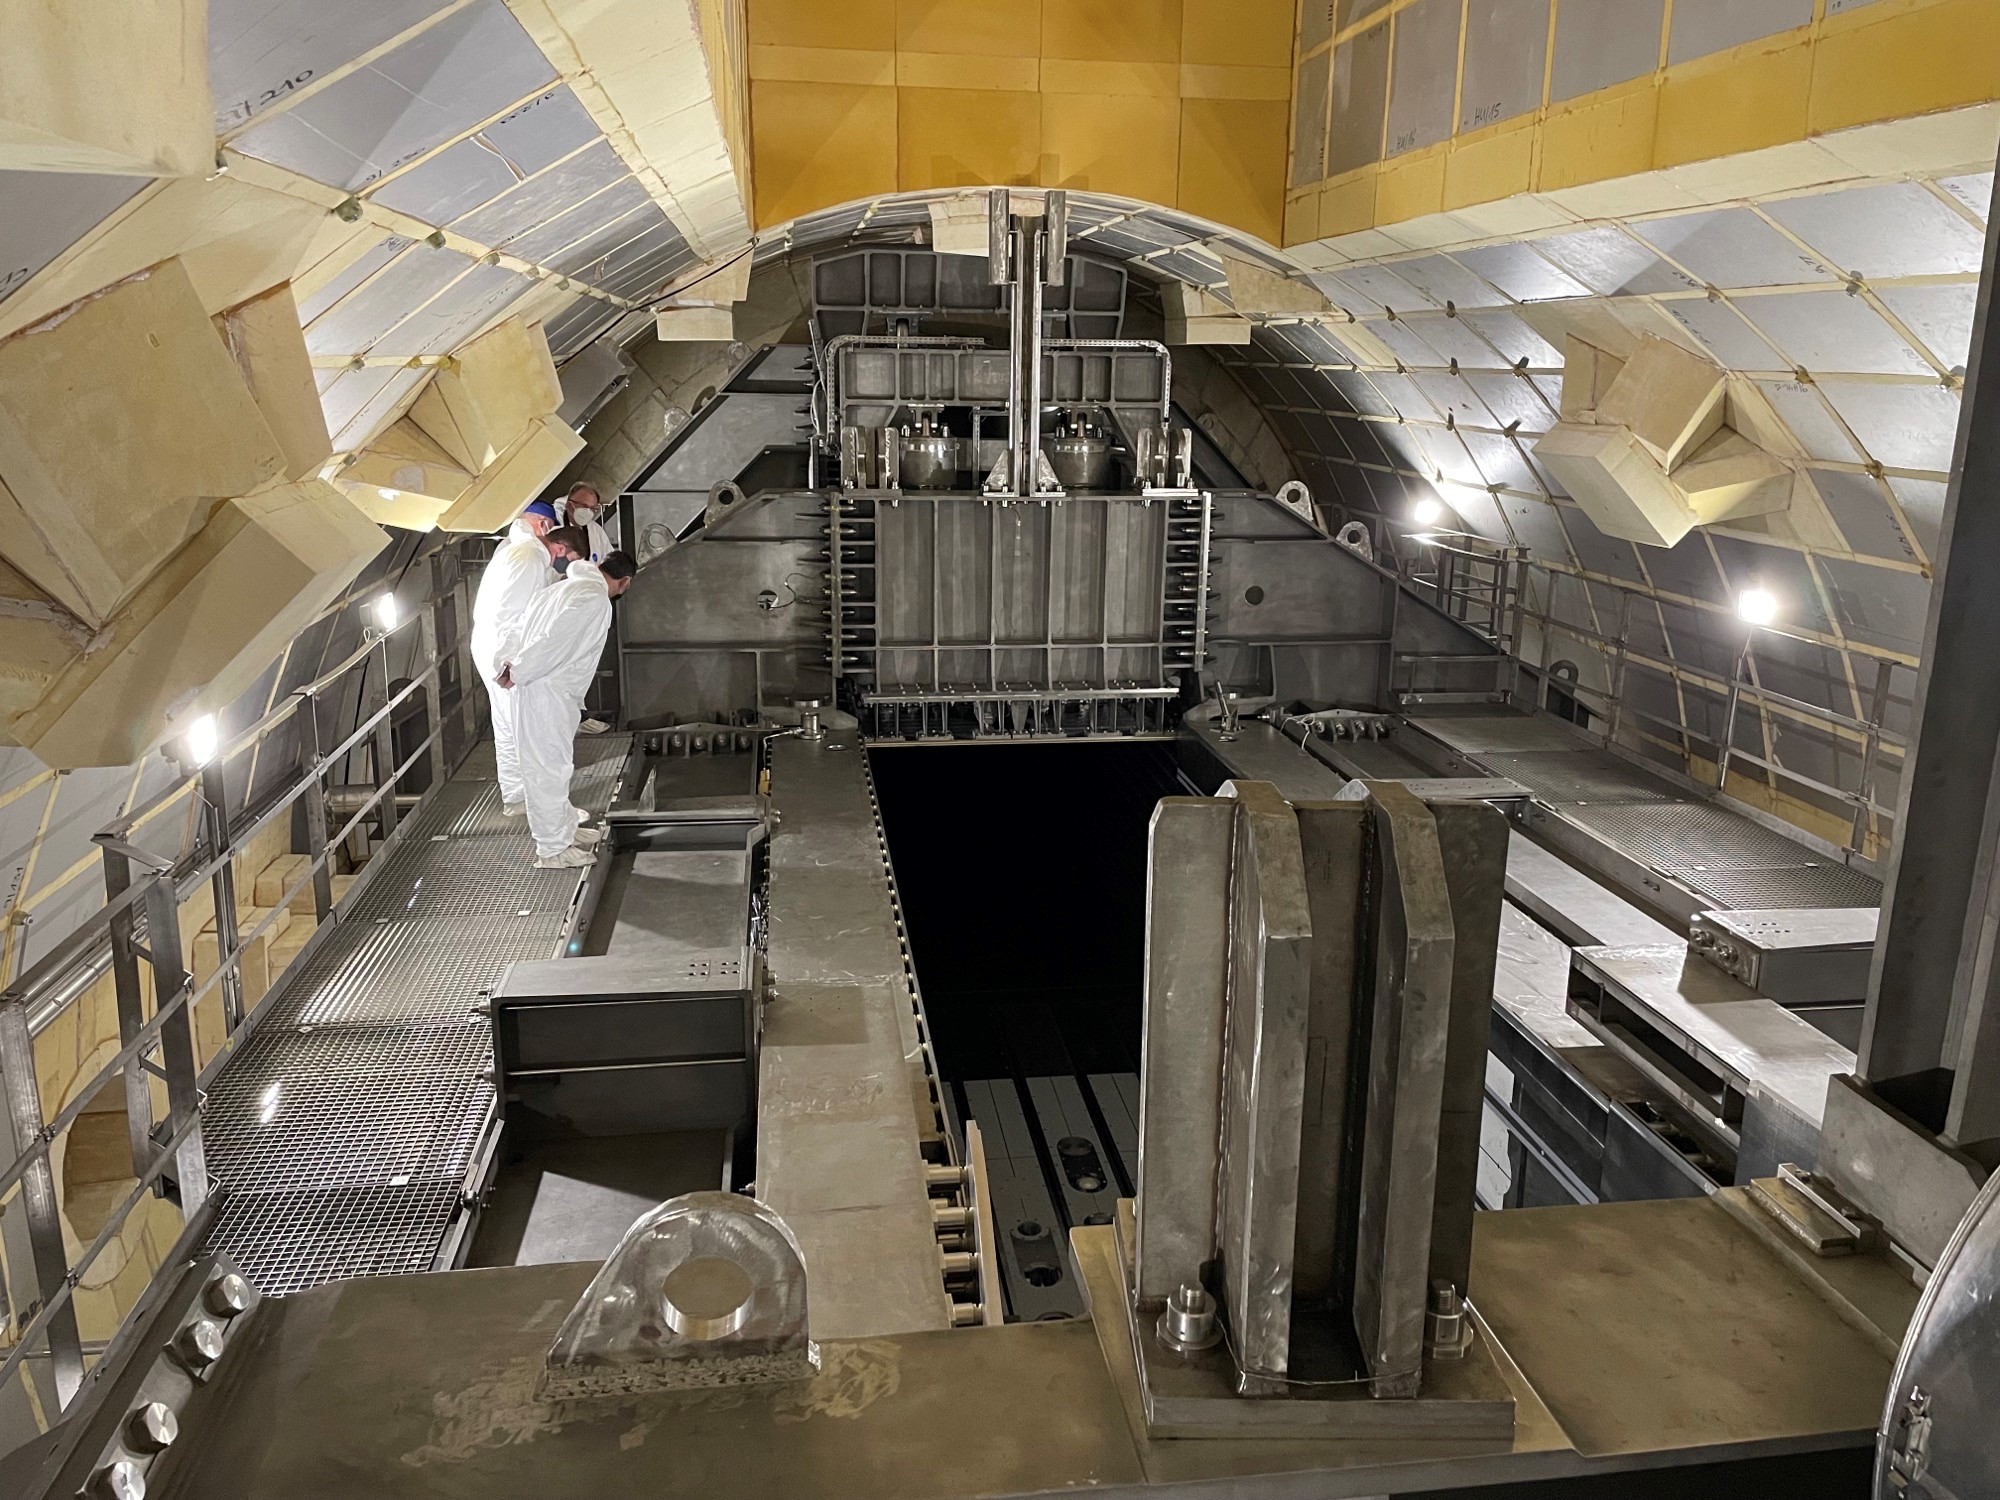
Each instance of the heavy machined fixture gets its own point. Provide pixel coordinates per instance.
(1318, 986)
(994, 570)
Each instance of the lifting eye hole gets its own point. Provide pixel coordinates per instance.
(1253, 595)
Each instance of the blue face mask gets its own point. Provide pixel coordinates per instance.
(562, 564)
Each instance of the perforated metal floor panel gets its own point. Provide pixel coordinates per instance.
(345, 1126)
(1724, 857)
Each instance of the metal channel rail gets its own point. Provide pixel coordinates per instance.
(185, 1112)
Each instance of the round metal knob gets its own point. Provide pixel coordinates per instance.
(152, 1428)
(200, 1343)
(1188, 1322)
(227, 1295)
(123, 1480)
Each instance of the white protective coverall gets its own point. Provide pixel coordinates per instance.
(519, 571)
(554, 655)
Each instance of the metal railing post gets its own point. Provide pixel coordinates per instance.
(384, 741)
(1618, 670)
(1728, 747)
(38, 1195)
(427, 642)
(315, 800)
(170, 981)
(131, 997)
(215, 839)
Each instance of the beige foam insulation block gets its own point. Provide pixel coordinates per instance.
(122, 421)
(480, 401)
(1670, 399)
(204, 625)
(404, 479)
(38, 638)
(1587, 374)
(696, 323)
(516, 477)
(235, 238)
(1729, 477)
(960, 226)
(249, 914)
(103, 86)
(1617, 482)
(1208, 330)
(279, 876)
(264, 338)
(1258, 289)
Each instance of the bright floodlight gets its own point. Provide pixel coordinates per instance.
(203, 739)
(1428, 512)
(386, 613)
(1756, 606)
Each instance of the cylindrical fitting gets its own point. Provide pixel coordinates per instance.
(1188, 1322)
(199, 1344)
(152, 1428)
(1444, 1322)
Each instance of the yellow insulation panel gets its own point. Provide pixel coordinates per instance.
(198, 632)
(123, 420)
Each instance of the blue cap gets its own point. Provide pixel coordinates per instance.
(540, 508)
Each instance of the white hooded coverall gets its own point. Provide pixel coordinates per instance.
(519, 571)
(554, 656)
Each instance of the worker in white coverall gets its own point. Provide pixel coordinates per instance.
(518, 571)
(548, 667)
(585, 510)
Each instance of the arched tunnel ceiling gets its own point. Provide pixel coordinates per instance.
(1844, 318)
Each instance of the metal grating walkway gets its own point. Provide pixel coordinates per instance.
(344, 1127)
(1723, 857)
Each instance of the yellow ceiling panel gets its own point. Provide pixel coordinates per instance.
(820, 143)
(852, 24)
(1233, 162)
(1239, 33)
(1113, 30)
(1127, 146)
(967, 138)
(972, 28)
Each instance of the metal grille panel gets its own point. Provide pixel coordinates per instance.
(1567, 776)
(421, 972)
(344, 1127)
(291, 1242)
(1487, 734)
(1827, 884)
(285, 1114)
(1675, 836)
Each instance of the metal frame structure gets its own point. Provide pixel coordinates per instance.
(137, 933)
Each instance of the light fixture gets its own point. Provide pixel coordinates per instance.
(1428, 512)
(386, 613)
(202, 740)
(1756, 606)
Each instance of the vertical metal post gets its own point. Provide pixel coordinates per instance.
(1618, 667)
(1871, 747)
(1735, 701)
(385, 753)
(38, 1194)
(170, 982)
(315, 801)
(427, 642)
(1942, 870)
(131, 995)
(215, 842)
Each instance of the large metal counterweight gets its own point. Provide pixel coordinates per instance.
(1318, 983)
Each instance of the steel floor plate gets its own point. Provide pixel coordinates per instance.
(343, 1128)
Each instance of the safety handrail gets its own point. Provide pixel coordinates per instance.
(144, 892)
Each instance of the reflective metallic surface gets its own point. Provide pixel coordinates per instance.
(1937, 1438)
